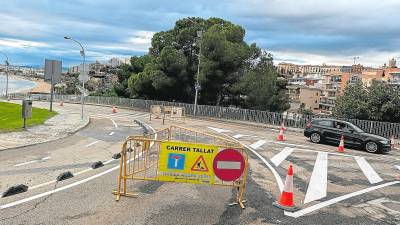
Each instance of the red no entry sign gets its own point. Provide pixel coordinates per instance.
(228, 165)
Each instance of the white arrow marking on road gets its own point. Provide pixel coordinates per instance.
(319, 179)
(111, 133)
(368, 171)
(218, 130)
(278, 158)
(258, 144)
(92, 143)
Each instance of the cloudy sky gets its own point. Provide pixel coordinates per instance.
(298, 31)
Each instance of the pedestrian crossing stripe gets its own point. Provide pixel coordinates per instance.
(200, 165)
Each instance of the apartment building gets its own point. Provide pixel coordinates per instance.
(290, 69)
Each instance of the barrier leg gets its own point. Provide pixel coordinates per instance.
(239, 197)
(118, 191)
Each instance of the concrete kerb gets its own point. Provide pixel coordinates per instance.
(87, 122)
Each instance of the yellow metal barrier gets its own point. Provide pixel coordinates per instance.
(177, 114)
(155, 111)
(178, 154)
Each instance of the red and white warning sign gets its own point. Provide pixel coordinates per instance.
(228, 164)
(200, 165)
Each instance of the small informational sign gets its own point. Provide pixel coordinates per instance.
(26, 109)
(187, 162)
(83, 73)
(52, 71)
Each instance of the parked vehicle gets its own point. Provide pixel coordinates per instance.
(330, 130)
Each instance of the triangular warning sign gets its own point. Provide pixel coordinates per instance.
(200, 165)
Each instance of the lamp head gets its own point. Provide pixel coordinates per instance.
(67, 38)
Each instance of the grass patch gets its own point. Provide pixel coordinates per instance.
(11, 117)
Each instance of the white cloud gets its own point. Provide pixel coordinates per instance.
(368, 58)
(141, 40)
(17, 43)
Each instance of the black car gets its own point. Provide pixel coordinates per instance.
(331, 130)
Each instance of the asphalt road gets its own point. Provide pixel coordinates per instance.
(329, 188)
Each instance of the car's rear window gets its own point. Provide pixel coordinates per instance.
(325, 123)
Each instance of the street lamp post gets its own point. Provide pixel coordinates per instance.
(197, 86)
(83, 71)
(7, 64)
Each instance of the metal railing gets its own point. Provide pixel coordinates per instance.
(384, 129)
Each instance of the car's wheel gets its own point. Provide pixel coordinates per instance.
(315, 138)
(371, 147)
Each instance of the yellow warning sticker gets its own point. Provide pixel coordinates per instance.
(186, 162)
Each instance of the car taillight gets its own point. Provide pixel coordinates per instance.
(309, 125)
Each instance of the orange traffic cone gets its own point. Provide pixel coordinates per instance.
(114, 110)
(286, 200)
(392, 142)
(61, 103)
(341, 144)
(280, 136)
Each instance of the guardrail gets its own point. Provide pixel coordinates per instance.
(384, 129)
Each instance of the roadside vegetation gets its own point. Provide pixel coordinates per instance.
(380, 102)
(11, 117)
(232, 72)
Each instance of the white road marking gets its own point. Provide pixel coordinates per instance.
(290, 144)
(25, 163)
(58, 189)
(41, 185)
(278, 158)
(111, 133)
(330, 153)
(238, 136)
(312, 208)
(398, 167)
(67, 186)
(115, 124)
(83, 171)
(319, 179)
(107, 162)
(276, 175)
(368, 171)
(92, 143)
(218, 130)
(33, 161)
(258, 144)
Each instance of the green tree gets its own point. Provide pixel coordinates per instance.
(383, 102)
(262, 87)
(228, 67)
(353, 103)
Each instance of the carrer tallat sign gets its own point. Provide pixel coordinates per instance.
(187, 162)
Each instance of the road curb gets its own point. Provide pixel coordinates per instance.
(68, 134)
